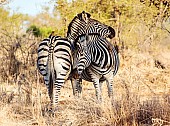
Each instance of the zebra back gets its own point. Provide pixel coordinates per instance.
(45, 50)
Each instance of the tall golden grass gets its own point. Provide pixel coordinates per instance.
(141, 96)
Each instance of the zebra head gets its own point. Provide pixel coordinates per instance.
(78, 26)
(84, 58)
(96, 27)
(83, 24)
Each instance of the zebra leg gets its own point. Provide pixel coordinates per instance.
(109, 82)
(97, 86)
(110, 88)
(97, 89)
(77, 86)
(76, 82)
(72, 80)
(49, 84)
(56, 92)
(100, 84)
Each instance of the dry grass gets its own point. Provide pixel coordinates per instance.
(142, 98)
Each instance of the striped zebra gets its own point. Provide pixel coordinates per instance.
(98, 60)
(54, 62)
(81, 25)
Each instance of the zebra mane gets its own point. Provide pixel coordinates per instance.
(70, 25)
(86, 35)
(78, 16)
(113, 33)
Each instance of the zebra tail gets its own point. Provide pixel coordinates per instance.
(52, 75)
(50, 86)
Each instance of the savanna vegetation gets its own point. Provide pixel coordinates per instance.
(141, 87)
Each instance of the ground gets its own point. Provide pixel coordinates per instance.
(141, 97)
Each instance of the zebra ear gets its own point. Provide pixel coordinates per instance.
(84, 16)
(88, 15)
(79, 16)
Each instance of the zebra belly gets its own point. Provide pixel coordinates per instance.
(87, 77)
(99, 70)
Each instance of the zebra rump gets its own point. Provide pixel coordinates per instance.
(54, 63)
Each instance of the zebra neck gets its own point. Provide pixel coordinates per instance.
(94, 36)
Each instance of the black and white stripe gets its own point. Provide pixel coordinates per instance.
(98, 60)
(82, 24)
(55, 58)
(54, 63)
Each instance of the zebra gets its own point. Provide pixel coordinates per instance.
(97, 61)
(82, 24)
(54, 63)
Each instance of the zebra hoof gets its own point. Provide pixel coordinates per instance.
(77, 95)
(53, 111)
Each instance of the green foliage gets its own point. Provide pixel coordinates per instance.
(39, 31)
(135, 21)
(162, 6)
(138, 22)
(4, 15)
(34, 30)
(45, 31)
(10, 23)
